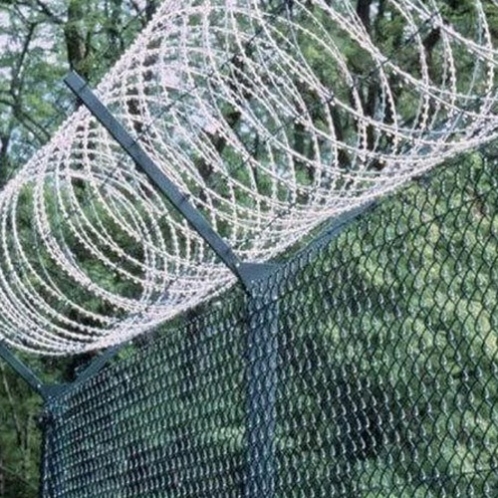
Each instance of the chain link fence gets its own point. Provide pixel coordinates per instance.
(365, 366)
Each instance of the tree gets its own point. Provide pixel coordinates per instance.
(87, 36)
(41, 41)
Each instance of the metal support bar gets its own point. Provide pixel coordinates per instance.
(48, 391)
(51, 422)
(45, 425)
(96, 365)
(23, 370)
(179, 200)
(334, 228)
(261, 381)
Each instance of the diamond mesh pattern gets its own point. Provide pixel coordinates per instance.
(270, 117)
(366, 369)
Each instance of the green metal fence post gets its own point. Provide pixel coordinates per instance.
(46, 427)
(261, 385)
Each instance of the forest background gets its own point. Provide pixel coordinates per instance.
(40, 41)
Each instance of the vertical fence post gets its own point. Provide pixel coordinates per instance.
(261, 381)
(261, 368)
(46, 474)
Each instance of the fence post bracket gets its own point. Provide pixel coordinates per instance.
(247, 273)
(22, 369)
(252, 273)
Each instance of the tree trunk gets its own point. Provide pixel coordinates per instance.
(2, 477)
(363, 11)
(77, 42)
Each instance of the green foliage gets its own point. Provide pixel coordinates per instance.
(389, 378)
(20, 442)
(41, 41)
(387, 342)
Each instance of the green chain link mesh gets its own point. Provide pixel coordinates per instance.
(365, 368)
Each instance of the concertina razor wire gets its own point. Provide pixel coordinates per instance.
(235, 107)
